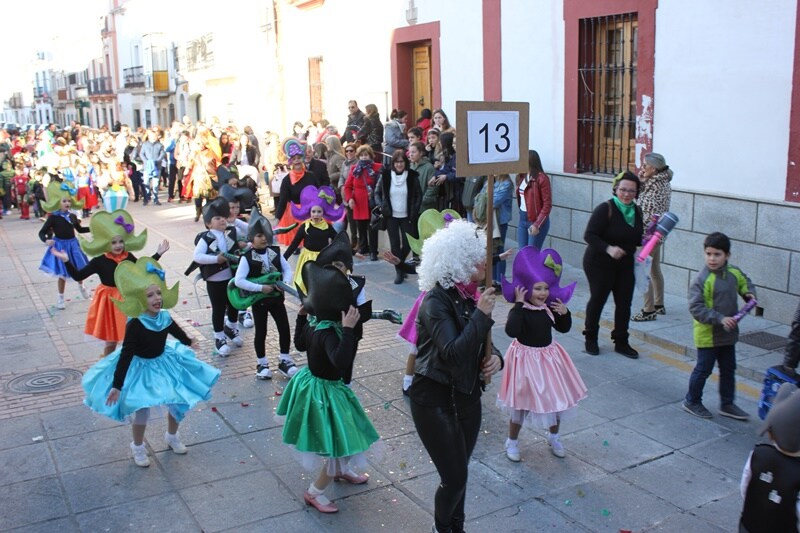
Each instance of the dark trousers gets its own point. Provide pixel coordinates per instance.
(499, 267)
(449, 437)
(220, 306)
(606, 277)
(398, 242)
(173, 176)
(725, 357)
(138, 187)
(367, 238)
(277, 308)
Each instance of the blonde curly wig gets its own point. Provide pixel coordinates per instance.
(451, 254)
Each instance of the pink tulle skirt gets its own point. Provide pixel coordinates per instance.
(408, 331)
(541, 381)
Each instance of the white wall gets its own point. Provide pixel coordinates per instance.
(723, 79)
(533, 71)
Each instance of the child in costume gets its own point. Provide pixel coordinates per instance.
(324, 420)
(87, 187)
(113, 241)
(317, 209)
(292, 185)
(261, 259)
(235, 197)
(771, 477)
(148, 370)
(213, 249)
(58, 233)
(19, 188)
(540, 384)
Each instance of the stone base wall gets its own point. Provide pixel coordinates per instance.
(764, 235)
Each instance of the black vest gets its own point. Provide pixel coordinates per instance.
(771, 498)
(206, 271)
(258, 267)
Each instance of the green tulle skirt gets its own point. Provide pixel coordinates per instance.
(324, 418)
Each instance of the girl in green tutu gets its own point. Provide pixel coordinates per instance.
(324, 421)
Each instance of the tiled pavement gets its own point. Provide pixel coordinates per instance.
(635, 461)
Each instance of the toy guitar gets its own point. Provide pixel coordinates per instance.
(242, 299)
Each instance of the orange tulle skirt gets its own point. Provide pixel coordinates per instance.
(287, 220)
(105, 321)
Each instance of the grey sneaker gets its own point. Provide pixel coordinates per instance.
(697, 409)
(731, 410)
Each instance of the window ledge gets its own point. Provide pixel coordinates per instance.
(305, 4)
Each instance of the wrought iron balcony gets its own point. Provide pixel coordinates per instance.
(133, 77)
(99, 86)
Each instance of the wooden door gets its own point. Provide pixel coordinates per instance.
(422, 81)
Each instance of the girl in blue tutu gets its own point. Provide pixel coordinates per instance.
(323, 420)
(58, 232)
(148, 370)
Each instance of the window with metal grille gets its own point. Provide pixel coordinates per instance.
(315, 88)
(607, 60)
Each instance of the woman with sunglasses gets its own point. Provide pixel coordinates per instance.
(350, 161)
(613, 232)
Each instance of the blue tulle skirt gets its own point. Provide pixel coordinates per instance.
(54, 266)
(176, 379)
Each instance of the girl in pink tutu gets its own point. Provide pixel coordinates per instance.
(540, 384)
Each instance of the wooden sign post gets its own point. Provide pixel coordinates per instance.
(496, 142)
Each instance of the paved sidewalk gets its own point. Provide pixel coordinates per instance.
(635, 461)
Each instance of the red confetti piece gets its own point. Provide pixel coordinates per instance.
(245, 404)
(277, 393)
(184, 302)
(213, 409)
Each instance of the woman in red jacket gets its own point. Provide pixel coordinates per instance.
(535, 200)
(357, 191)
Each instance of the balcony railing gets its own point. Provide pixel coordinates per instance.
(133, 77)
(40, 93)
(99, 86)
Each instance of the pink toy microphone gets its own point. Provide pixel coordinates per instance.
(746, 308)
(665, 224)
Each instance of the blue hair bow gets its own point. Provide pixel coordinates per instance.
(121, 221)
(66, 187)
(151, 269)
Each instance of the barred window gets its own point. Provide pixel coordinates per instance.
(607, 94)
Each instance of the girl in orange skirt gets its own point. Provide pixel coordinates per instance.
(113, 240)
(291, 187)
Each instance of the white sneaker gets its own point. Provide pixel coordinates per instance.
(84, 292)
(263, 372)
(174, 442)
(60, 304)
(512, 450)
(140, 455)
(555, 446)
(287, 368)
(233, 334)
(222, 347)
(246, 319)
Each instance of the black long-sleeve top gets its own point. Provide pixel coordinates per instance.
(534, 327)
(313, 239)
(101, 265)
(58, 226)
(144, 343)
(290, 192)
(329, 357)
(607, 227)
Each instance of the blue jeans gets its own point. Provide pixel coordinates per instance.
(151, 185)
(499, 268)
(725, 357)
(526, 239)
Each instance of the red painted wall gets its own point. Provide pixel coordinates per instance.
(793, 163)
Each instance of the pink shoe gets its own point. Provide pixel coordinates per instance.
(322, 508)
(353, 479)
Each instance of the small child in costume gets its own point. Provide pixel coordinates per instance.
(261, 259)
(235, 196)
(58, 233)
(148, 370)
(292, 185)
(318, 210)
(324, 421)
(113, 241)
(771, 477)
(19, 188)
(213, 249)
(87, 187)
(540, 383)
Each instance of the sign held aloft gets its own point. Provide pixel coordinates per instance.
(496, 138)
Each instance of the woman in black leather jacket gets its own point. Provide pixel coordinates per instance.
(452, 327)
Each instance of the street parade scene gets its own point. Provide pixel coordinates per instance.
(404, 314)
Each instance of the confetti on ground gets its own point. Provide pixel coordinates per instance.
(277, 393)
(387, 405)
(605, 443)
(403, 465)
(38, 439)
(213, 409)
(581, 494)
(605, 512)
(185, 302)
(195, 323)
(567, 502)
(245, 404)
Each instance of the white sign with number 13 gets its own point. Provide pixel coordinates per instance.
(493, 136)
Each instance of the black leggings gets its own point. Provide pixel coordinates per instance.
(606, 278)
(220, 306)
(367, 237)
(449, 437)
(397, 228)
(277, 308)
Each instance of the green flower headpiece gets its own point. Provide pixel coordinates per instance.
(105, 226)
(56, 191)
(429, 222)
(133, 279)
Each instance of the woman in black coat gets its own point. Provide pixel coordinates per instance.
(613, 232)
(399, 194)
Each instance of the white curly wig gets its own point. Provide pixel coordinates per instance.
(449, 256)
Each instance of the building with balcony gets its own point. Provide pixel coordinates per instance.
(100, 92)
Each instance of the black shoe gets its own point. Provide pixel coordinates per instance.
(591, 347)
(626, 350)
(398, 278)
(660, 310)
(373, 257)
(287, 368)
